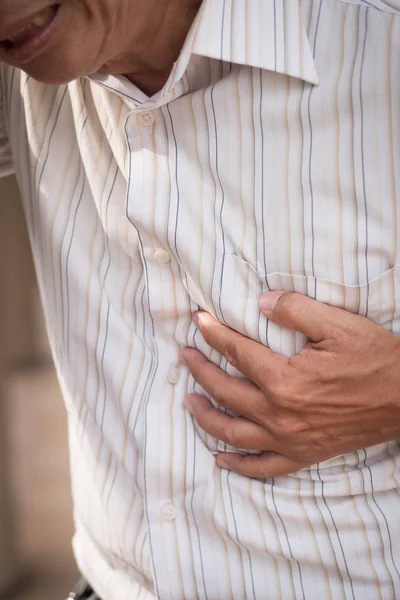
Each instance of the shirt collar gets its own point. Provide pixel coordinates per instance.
(267, 34)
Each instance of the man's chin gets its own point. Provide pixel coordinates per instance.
(56, 73)
(54, 80)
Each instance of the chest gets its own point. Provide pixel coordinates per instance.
(259, 181)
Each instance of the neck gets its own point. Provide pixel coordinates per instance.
(157, 45)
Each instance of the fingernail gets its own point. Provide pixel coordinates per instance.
(198, 318)
(189, 404)
(269, 300)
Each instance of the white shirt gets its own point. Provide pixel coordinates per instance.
(270, 160)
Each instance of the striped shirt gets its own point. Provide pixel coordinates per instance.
(269, 160)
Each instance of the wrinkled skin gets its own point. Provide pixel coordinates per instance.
(339, 394)
(139, 38)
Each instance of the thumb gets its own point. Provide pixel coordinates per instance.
(316, 320)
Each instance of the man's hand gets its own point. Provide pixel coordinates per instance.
(339, 394)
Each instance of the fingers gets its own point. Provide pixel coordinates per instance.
(251, 358)
(237, 432)
(316, 320)
(238, 395)
(240, 433)
(263, 466)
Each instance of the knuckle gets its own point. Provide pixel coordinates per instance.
(203, 419)
(283, 394)
(281, 427)
(346, 336)
(203, 422)
(353, 329)
(291, 392)
(264, 470)
(219, 394)
(258, 473)
(231, 434)
(289, 428)
(231, 353)
(250, 468)
(291, 304)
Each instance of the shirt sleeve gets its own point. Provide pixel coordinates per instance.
(6, 163)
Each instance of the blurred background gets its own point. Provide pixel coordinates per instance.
(36, 561)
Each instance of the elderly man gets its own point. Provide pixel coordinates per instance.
(212, 194)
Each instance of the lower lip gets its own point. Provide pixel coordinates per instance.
(24, 52)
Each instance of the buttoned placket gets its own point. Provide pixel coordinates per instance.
(143, 129)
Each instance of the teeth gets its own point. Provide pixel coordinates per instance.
(39, 21)
(20, 33)
(41, 18)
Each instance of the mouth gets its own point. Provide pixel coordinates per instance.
(26, 39)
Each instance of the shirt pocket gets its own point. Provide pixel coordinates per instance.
(232, 295)
(389, 6)
(234, 300)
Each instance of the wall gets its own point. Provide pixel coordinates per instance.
(35, 504)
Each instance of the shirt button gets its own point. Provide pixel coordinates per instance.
(146, 119)
(174, 376)
(162, 256)
(148, 253)
(168, 512)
